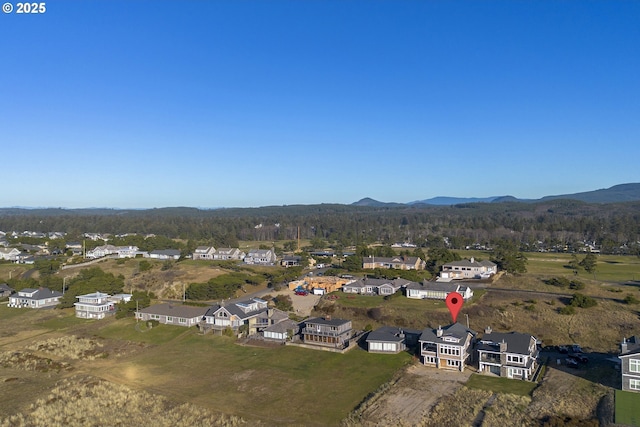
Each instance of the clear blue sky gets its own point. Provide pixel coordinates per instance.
(138, 104)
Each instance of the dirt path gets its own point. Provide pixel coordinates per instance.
(410, 399)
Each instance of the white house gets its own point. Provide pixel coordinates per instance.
(97, 305)
(437, 290)
(204, 252)
(468, 269)
(121, 251)
(9, 254)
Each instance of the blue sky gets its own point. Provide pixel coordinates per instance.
(139, 104)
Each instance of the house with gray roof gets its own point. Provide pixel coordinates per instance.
(204, 253)
(630, 358)
(261, 257)
(9, 254)
(253, 314)
(35, 298)
(508, 354)
(437, 290)
(225, 254)
(449, 347)
(172, 314)
(390, 339)
(368, 286)
(327, 332)
(97, 305)
(165, 254)
(5, 290)
(281, 331)
(398, 262)
(468, 269)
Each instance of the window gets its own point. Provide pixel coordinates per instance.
(430, 360)
(514, 359)
(169, 319)
(450, 350)
(634, 365)
(514, 372)
(182, 320)
(634, 384)
(453, 362)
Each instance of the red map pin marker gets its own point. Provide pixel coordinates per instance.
(454, 304)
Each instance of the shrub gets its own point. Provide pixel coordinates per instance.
(583, 301)
(152, 323)
(630, 299)
(576, 284)
(569, 309)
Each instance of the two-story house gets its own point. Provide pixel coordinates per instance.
(630, 358)
(97, 305)
(234, 316)
(225, 254)
(120, 251)
(35, 298)
(9, 254)
(468, 269)
(261, 257)
(450, 347)
(511, 355)
(204, 253)
(327, 332)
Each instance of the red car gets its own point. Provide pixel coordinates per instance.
(302, 293)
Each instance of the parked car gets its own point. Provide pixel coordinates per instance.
(571, 363)
(575, 348)
(579, 357)
(563, 349)
(302, 293)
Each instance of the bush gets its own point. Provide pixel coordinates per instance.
(630, 299)
(152, 323)
(583, 301)
(577, 285)
(569, 309)
(561, 282)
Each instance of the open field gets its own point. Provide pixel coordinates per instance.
(627, 404)
(501, 385)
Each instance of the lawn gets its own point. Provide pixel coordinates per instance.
(128, 329)
(501, 385)
(627, 404)
(253, 382)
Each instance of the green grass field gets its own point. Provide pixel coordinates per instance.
(501, 385)
(627, 408)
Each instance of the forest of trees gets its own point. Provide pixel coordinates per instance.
(615, 228)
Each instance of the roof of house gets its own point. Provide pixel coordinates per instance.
(234, 309)
(260, 252)
(390, 334)
(328, 322)
(456, 330)
(94, 295)
(392, 260)
(633, 346)
(40, 293)
(4, 287)
(283, 326)
(396, 283)
(517, 342)
(168, 252)
(175, 310)
(440, 286)
(471, 263)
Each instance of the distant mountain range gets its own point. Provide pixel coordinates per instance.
(616, 194)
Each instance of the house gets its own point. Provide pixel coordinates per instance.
(254, 313)
(468, 269)
(389, 339)
(261, 256)
(120, 251)
(630, 358)
(97, 305)
(291, 261)
(327, 332)
(450, 347)
(9, 254)
(165, 254)
(225, 254)
(35, 298)
(5, 290)
(369, 286)
(511, 355)
(281, 331)
(437, 290)
(399, 262)
(204, 252)
(172, 314)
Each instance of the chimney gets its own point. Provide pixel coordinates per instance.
(487, 330)
(327, 317)
(439, 331)
(472, 260)
(503, 347)
(623, 346)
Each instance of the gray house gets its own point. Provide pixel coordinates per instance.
(260, 256)
(369, 286)
(389, 339)
(511, 355)
(327, 332)
(449, 347)
(630, 358)
(172, 314)
(5, 290)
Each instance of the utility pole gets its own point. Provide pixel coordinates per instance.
(467, 320)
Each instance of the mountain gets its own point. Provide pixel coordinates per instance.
(617, 194)
(367, 201)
